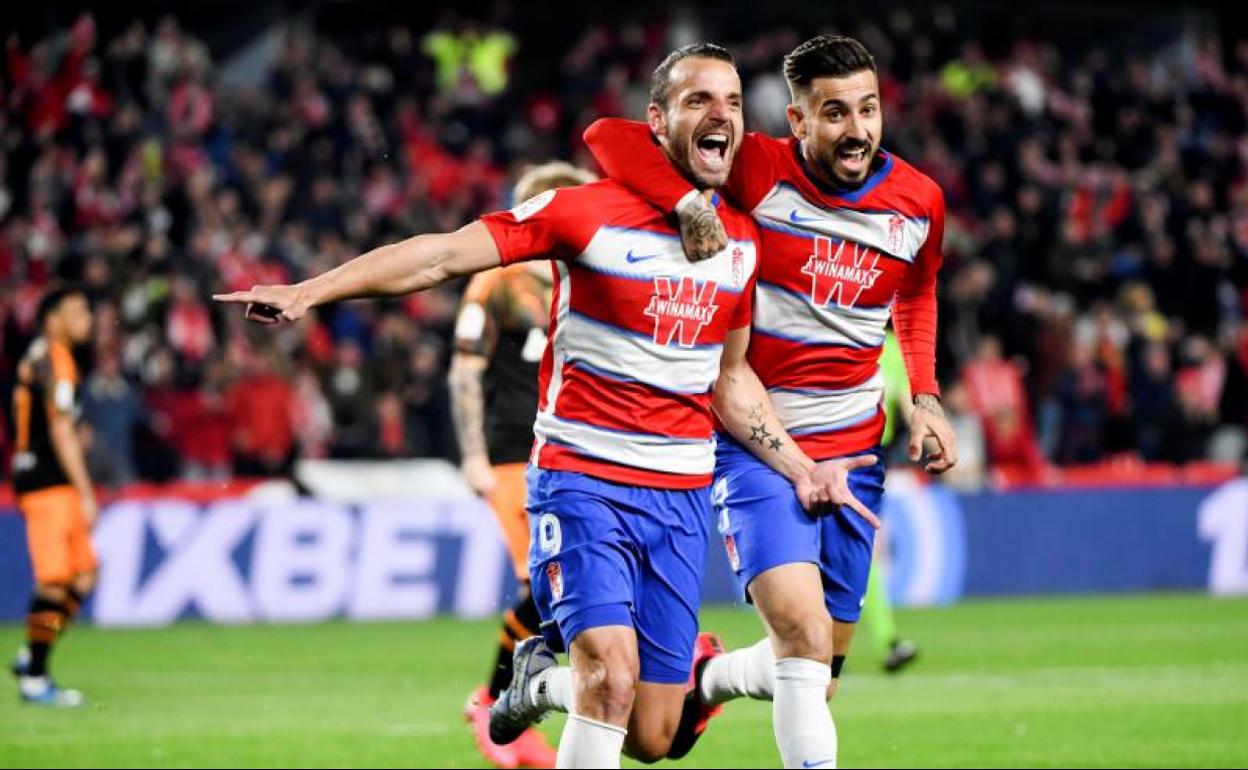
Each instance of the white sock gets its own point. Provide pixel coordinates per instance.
(805, 732)
(552, 689)
(589, 743)
(749, 672)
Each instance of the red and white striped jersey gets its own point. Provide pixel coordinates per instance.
(836, 265)
(636, 333)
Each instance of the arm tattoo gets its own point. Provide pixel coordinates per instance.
(701, 224)
(929, 403)
(468, 409)
(758, 429)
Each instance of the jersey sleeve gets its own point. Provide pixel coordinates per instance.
(914, 312)
(61, 382)
(629, 154)
(476, 329)
(754, 170)
(543, 227)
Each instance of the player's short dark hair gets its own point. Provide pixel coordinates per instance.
(54, 296)
(661, 80)
(825, 56)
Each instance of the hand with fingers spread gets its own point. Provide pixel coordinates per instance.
(269, 304)
(827, 487)
(701, 231)
(932, 435)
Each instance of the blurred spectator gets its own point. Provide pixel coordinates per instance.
(1097, 198)
(111, 406)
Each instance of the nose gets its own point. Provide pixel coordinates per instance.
(855, 128)
(718, 110)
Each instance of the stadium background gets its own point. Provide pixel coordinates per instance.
(1094, 352)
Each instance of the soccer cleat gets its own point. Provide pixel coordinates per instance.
(477, 714)
(532, 750)
(515, 711)
(695, 715)
(900, 653)
(42, 691)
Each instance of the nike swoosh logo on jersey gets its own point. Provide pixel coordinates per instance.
(798, 219)
(632, 259)
(808, 764)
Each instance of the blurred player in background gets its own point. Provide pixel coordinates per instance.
(54, 492)
(500, 337)
(852, 238)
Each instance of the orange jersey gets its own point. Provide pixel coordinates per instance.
(47, 386)
(503, 316)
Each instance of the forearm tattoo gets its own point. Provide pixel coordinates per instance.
(929, 403)
(758, 429)
(702, 227)
(468, 410)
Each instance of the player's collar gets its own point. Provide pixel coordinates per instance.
(853, 196)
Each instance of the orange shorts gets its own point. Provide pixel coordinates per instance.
(56, 534)
(508, 500)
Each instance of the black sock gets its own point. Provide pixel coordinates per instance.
(38, 658)
(519, 622)
(44, 622)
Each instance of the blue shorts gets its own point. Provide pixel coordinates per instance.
(764, 526)
(604, 554)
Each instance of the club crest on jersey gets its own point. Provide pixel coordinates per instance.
(734, 558)
(680, 311)
(840, 275)
(554, 575)
(738, 266)
(896, 234)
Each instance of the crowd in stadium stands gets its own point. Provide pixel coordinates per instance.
(1093, 298)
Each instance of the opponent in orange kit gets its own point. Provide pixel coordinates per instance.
(500, 336)
(54, 492)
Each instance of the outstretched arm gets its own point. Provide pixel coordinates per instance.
(408, 266)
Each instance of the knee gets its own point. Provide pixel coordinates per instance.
(804, 636)
(53, 592)
(607, 685)
(649, 748)
(649, 739)
(85, 582)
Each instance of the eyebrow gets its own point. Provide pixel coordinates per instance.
(705, 94)
(832, 100)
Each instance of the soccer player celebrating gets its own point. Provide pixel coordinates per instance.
(851, 236)
(54, 492)
(500, 336)
(618, 486)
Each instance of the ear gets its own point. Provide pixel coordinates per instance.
(657, 120)
(797, 120)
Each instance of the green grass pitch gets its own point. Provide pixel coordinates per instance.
(1153, 681)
